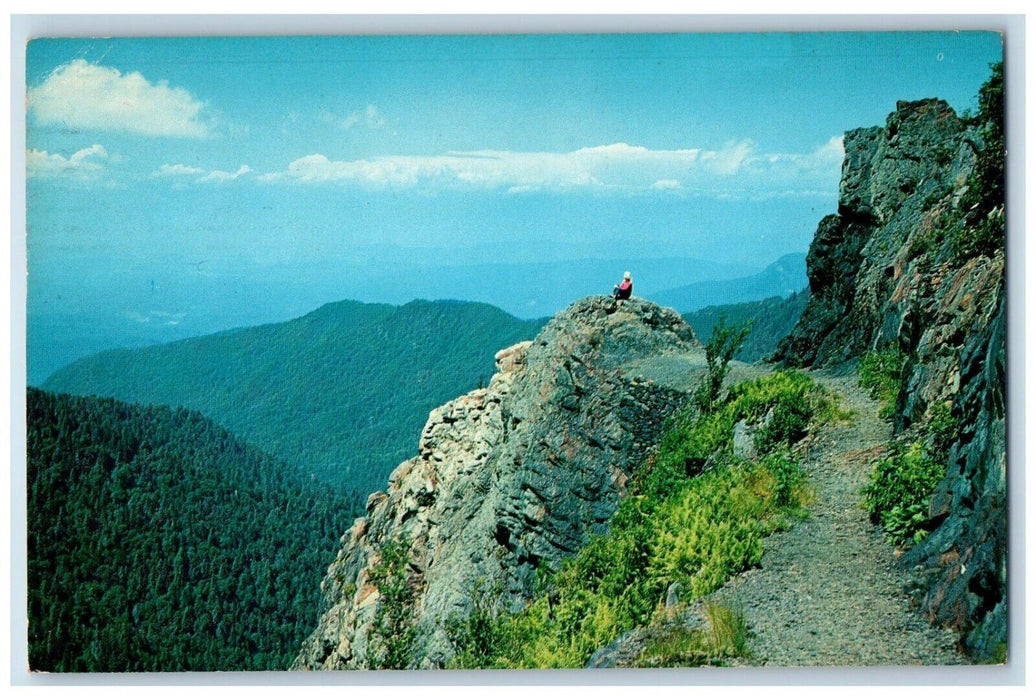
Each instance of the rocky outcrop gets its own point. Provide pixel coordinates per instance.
(868, 278)
(508, 479)
(884, 274)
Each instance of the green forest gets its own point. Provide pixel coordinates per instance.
(769, 320)
(157, 541)
(341, 393)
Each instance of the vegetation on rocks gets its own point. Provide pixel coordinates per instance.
(393, 627)
(880, 375)
(984, 223)
(724, 636)
(899, 491)
(900, 487)
(696, 515)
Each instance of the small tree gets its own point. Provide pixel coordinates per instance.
(982, 232)
(393, 622)
(724, 342)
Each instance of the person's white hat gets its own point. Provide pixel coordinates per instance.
(625, 275)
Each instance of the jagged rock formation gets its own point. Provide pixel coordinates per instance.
(508, 478)
(869, 282)
(884, 274)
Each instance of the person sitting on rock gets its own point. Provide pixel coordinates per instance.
(625, 289)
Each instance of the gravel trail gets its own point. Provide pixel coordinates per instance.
(828, 592)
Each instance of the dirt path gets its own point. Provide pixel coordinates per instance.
(827, 591)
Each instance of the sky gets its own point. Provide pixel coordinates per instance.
(183, 185)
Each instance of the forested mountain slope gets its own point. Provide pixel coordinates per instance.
(338, 393)
(770, 320)
(157, 541)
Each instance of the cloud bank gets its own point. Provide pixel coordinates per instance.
(81, 95)
(224, 176)
(84, 164)
(737, 169)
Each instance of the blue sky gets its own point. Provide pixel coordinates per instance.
(169, 178)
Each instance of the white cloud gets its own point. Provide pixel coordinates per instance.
(736, 170)
(729, 159)
(666, 185)
(224, 176)
(185, 171)
(84, 164)
(176, 170)
(368, 117)
(600, 167)
(81, 95)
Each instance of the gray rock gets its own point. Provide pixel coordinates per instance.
(507, 479)
(672, 595)
(744, 440)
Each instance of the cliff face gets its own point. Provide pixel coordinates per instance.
(879, 270)
(884, 274)
(508, 478)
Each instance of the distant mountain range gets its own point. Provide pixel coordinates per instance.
(784, 277)
(134, 311)
(341, 393)
(543, 289)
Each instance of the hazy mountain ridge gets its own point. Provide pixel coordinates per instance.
(134, 311)
(770, 320)
(781, 278)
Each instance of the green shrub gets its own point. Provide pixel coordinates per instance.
(790, 478)
(476, 635)
(880, 375)
(725, 636)
(723, 343)
(900, 489)
(984, 223)
(930, 239)
(787, 426)
(694, 440)
(728, 631)
(942, 428)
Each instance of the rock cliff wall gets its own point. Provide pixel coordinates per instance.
(508, 478)
(885, 273)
